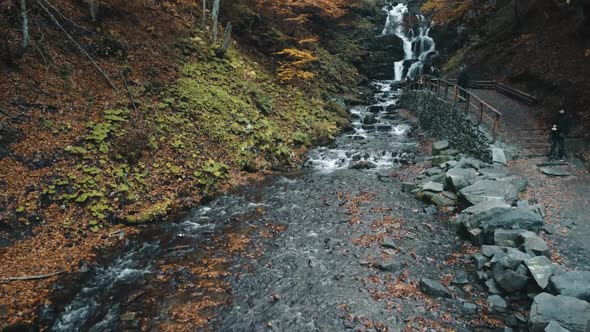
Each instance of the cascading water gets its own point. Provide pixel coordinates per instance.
(419, 48)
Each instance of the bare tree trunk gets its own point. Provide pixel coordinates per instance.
(204, 20)
(94, 4)
(226, 40)
(25, 24)
(215, 17)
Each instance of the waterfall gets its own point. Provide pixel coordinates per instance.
(419, 47)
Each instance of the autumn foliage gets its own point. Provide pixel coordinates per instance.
(445, 11)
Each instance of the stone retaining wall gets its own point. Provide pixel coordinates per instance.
(443, 120)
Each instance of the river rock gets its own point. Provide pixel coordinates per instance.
(572, 283)
(434, 288)
(507, 237)
(492, 215)
(483, 190)
(554, 171)
(440, 145)
(459, 178)
(569, 312)
(555, 327)
(363, 164)
(541, 270)
(533, 244)
(389, 243)
(493, 173)
(390, 266)
(369, 120)
(497, 303)
(508, 280)
(433, 186)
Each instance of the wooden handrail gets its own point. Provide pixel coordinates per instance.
(482, 109)
(502, 88)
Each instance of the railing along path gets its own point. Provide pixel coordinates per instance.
(473, 104)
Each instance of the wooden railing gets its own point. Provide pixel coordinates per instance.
(484, 112)
(503, 89)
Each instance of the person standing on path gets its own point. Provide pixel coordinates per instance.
(562, 126)
(463, 80)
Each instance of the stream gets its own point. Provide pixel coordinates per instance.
(300, 251)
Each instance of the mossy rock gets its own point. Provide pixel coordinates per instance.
(152, 213)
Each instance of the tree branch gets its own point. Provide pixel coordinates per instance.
(77, 45)
(36, 277)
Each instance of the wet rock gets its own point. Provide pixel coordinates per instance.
(483, 190)
(554, 171)
(459, 178)
(128, 316)
(440, 145)
(470, 307)
(449, 152)
(479, 260)
(492, 215)
(493, 173)
(493, 286)
(475, 236)
(431, 210)
(533, 244)
(433, 186)
(433, 171)
(513, 258)
(497, 303)
(390, 266)
(363, 164)
(489, 251)
(541, 270)
(509, 280)
(555, 327)
(370, 120)
(572, 283)
(460, 279)
(569, 312)
(389, 243)
(434, 288)
(408, 186)
(507, 237)
(498, 156)
(375, 109)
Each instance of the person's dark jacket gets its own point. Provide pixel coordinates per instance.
(563, 123)
(463, 79)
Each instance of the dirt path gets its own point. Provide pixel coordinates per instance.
(567, 199)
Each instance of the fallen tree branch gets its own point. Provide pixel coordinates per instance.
(77, 45)
(128, 92)
(37, 277)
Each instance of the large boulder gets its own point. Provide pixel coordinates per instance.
(483, 190)
(459, 178)
(541, 270)
(570, 312)
(509, 280)
(572, 283)
(495, 214)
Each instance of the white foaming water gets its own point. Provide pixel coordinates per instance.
(417, 47)
(377, 143)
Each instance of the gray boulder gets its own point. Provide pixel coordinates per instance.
(440, 145)
(554, 171)
(541, 270)
(533, 244)
(572, 283)
(507, 237)
(434, 288)
(492, 215)
(569, 312)
(493, 173)
(433, 186)
(483, 190)
(509, 280)
(555, 327)
(459, 178)
(497, 303)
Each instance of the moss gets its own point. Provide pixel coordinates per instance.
(152, 213)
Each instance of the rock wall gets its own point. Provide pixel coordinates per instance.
(444, 121)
